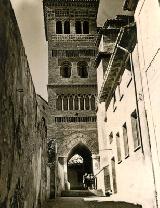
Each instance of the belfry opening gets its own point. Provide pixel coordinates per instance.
(79, 162)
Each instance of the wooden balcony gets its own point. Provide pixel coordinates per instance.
(124, 45)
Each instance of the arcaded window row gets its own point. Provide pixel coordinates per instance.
(87, 119)
(64, 27)
(76, 102)
(82, 69)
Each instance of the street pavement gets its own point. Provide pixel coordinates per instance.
(89, 202)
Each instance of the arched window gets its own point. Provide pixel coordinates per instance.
(66, 27)
(76, 103)
(85, 27)
(87, 102)
(58, 27)
(93, 106)
(65, 103)
(78, 27)
(82, 68)
(82, 103)
(65, 70)
(71, 102)
(59, 103)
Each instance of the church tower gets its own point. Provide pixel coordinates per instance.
(71, 30)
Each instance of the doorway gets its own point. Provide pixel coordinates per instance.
(79, 162)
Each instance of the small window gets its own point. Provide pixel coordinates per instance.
(78, 27)
(135, 130)
(125, 139)
(58, 27)
(82, 68)
(118, 148)
(65, 70)
(85, 27)
(66, 27)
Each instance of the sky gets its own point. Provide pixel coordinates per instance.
(29, 14)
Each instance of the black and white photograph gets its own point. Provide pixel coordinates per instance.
(79, 104)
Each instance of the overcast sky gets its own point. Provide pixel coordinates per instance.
(29, 15)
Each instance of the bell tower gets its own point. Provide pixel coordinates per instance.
(71, 31)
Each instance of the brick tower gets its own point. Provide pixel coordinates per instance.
(71, 30)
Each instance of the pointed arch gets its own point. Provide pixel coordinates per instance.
(73, 140)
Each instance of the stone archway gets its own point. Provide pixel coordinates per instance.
(72, 140)
(76, 169)
(67, 147)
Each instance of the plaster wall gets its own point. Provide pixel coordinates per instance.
(147, 17)
(132, 171)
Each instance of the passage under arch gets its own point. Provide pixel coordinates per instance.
(81, 165)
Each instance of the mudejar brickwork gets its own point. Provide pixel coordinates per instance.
(71, 32)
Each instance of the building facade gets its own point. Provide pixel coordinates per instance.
(127, 113)
(72, 86)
